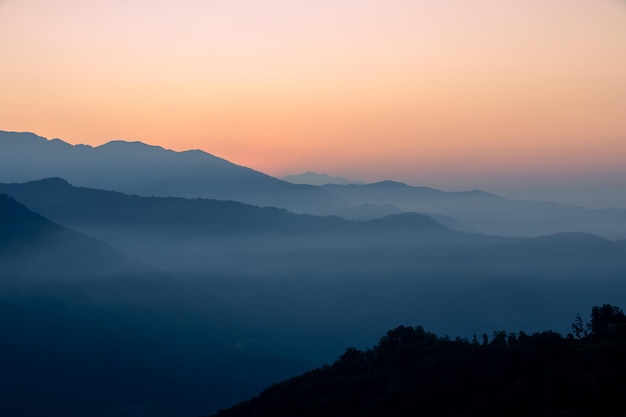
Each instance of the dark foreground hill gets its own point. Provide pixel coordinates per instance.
(412, 372)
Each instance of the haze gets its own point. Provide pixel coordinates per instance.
(525, 99)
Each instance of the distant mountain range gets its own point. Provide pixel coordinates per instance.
(137, 168)
(86, 208)
(247, 295)
(489, 213)
(314, 178)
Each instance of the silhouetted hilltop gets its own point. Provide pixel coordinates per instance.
(137, 168)
(411, 372)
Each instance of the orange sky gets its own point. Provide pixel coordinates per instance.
(454, 94)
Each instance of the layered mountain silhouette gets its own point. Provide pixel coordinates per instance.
(488, 213)
(248, 295)
(85, 208)
(200, 235)
(137, 168)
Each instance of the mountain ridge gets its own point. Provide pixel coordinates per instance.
(59, 199)
(489, 213)
(138, 168)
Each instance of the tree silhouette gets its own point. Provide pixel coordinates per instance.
(578, 328)
(605, 318)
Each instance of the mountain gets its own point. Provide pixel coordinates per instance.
(408, 260)
(245, 296)
(367, 212)
(413, 372)
(171, 230)
(385, 191)
(89, 332)
(488, 213)
(86, 208)
(31, 245)
(314, 178)
(137, 168)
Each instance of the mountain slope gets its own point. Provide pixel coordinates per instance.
(137, 168)
(87, 332)
(34, 246)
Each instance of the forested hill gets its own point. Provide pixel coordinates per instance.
(412, 372)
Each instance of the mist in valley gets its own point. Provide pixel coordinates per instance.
(202, 303)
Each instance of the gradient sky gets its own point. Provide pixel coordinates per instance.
(525, 98)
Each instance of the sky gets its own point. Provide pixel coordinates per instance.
(523, 98)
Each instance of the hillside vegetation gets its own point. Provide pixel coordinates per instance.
(412, 372)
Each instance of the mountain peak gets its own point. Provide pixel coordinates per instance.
(129, 145)
(52, 182)
(389, 183)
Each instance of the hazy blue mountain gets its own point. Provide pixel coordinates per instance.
(384, 191)
(488, 213)
(367, 212)
(32, 245)
(450, 223)
(87, 332)
(87, 209)
(391, 266)
(315, 178)
(137, 168)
